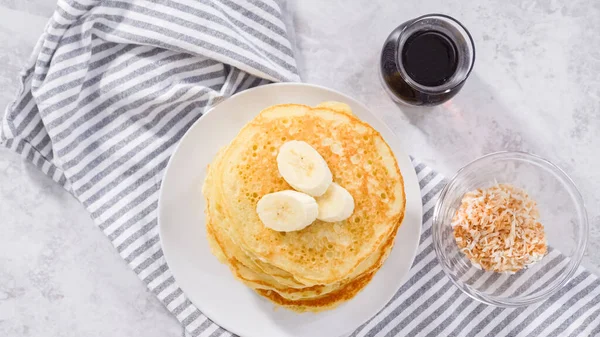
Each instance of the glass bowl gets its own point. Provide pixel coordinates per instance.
(562, 213)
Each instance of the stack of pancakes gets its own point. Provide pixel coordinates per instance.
(324, 264)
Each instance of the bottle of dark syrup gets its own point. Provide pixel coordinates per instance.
(426, 61)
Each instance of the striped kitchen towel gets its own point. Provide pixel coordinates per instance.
(113, 85)
(110, 89)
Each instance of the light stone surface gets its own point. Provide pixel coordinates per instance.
(535, 87)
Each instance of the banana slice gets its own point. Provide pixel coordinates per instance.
(287, 211)
(336, 204)
(303, 168)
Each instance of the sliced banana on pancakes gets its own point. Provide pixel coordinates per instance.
(304, 168)
(316, 195)
(287, 211)
(336, 204)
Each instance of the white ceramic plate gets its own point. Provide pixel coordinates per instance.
(208, 283)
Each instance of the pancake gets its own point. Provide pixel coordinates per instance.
(360, 161)
(337, 106)
(334, 298)
(246, 271)
(257, 280)
(325, 264)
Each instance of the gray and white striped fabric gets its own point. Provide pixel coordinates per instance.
(113, 85)
(110, 89)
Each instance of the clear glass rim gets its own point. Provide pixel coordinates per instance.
(575, 260)
(450, 85)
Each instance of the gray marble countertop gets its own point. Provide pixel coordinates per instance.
(535, 87)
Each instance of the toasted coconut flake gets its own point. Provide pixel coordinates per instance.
(498, 229)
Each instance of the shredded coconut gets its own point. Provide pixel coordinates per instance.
(498, 229)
